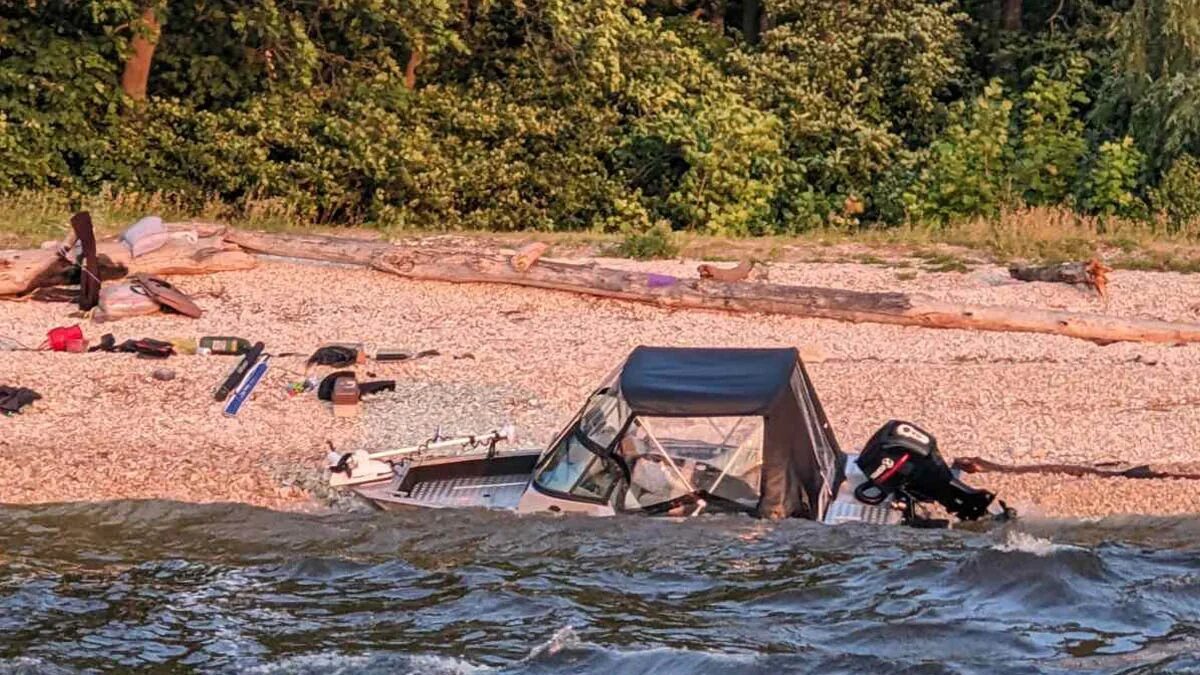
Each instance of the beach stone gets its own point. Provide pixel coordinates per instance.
(992, 277)
(163, 374)
(811, 353)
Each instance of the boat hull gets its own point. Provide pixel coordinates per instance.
(502, 482)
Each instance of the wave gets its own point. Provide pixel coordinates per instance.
(1023, 542)
(232, 588)
(336, 663)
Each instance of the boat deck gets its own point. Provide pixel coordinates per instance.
(495, 492)
(496, 483)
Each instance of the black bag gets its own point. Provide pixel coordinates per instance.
(147, 348)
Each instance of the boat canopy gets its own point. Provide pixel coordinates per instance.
(740, 429)
(674, 382)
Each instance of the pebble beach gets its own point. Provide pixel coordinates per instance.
(107, 429)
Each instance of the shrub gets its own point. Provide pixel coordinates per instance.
(966, 173)
(658, 241)
(1177, 198)
(1110, 184)
(1051, 146)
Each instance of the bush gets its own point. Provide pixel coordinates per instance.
(605, 115)
(656, 242)
(1177, 197)
(966, 173)
(853, 85)
(1109, 187)
(1051, 146)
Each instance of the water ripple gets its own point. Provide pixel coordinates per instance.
(166, 587)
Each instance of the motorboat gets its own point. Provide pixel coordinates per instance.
(683, 432)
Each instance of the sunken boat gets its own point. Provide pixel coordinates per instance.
(684, 432)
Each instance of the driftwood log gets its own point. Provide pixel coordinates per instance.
(978, 465)
(1092, 273)
(528, 254)
(26, 270)
(737, 273)
(459, 266)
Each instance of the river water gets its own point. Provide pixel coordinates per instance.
(166, 587)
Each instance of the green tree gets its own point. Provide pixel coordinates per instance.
(853, 85)
(1157, 78)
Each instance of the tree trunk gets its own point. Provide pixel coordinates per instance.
(410, 70)
(460, 266)
(137, 69)
(467, 10)
(737, 273)
(1010, 15)
(766, 22)
(751, 20)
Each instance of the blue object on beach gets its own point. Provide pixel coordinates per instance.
(247, 386)
(660, 280)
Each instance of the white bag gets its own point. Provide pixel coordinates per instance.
(146, 235)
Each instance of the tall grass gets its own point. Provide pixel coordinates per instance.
(28, 218)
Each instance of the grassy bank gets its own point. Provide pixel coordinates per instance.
(1036, 235)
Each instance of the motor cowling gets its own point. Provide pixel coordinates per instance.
(902, 461)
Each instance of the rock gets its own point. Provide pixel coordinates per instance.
(811, 353)
(163, 374)
(992, 277)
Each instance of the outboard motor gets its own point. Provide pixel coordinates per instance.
(902, 462)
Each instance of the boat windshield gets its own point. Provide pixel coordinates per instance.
(673, 457)
(572, 468)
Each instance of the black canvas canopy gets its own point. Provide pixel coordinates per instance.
(670, 382)
(802, 463)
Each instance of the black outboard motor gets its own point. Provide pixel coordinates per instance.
(901, 461)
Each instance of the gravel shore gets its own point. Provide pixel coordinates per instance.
(106, 429)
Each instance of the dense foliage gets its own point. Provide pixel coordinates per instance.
(639, 116)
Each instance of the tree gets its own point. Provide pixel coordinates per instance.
(1010, 15)
(136, 76)
(1157, 78)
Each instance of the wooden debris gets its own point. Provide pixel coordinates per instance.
(737, 273)
(23, 271)
(1098, 275)
(978, 465)
(1093, 273)
(528, 254)
(460, 266)
(1067, 273)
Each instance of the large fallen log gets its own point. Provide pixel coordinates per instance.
(24, 271)
(459, 266)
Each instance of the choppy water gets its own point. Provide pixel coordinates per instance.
(167, 587)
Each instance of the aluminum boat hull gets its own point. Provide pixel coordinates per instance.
(503, 482)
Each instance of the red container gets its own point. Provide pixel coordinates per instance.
(61, 339)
